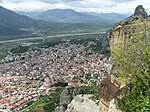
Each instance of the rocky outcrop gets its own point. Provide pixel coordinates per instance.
(127, 28)
(83, 103)
(140, 11)
(111, 90)
(60, 109)
(67, 96)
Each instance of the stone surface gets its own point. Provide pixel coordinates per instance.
(140, 11)
(110, 89)
(60, 109)
(82, 103)
(125, 29)
(67, 96)
(134, 25)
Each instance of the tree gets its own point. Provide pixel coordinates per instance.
(132, 66)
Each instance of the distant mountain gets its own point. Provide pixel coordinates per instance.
(13, 23)
(70, 21)
(63, 15)
(32, 15)
(69, 16)
(115, 17)
(12, 20)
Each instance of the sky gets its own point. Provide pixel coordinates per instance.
(100, 6)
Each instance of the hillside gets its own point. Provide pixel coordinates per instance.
(115, 17)
(13, 23)
(32, 14)
(12, 20)
(48, 15)
(70, 16)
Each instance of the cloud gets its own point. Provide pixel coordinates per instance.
(122, 1)
(13, 1)
(119, 6)
(44, 1)
(62, 1)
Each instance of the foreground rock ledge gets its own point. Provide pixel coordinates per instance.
(83, 103)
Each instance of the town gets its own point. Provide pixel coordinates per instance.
(26, 76)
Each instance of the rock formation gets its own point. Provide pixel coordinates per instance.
(128, 27)
(140, 11)
(67, 96)
(122, 31)
(109, 95)
(83, 103)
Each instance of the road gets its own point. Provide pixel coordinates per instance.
(63, 35)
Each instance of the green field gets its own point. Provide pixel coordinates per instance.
(46, 103)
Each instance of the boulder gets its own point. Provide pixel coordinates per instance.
(67, 96)
(83, 103)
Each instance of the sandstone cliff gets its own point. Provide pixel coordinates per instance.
(111, 90)
(128, 27)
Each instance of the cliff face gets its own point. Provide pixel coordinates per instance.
(110, 91)
(126, 28)
(139, 22)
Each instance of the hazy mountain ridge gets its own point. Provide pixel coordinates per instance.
(69, 16)
(13, 23)
(8, 18)
(11, 20)
(32, 15)
(115, 17)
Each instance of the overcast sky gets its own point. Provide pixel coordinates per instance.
(105, 6)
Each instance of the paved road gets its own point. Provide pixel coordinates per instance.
(63, 35)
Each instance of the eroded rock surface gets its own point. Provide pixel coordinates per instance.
(83, 103)
(127, 28)
(67, 96)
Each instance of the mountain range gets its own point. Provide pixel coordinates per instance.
(72, 16)
(68, 16)
(55, 20)
(13, 23)
(115, 17)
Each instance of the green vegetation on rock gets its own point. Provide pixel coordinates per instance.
(133, 68)
(93, 90)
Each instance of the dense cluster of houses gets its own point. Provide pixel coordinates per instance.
(28, 75)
